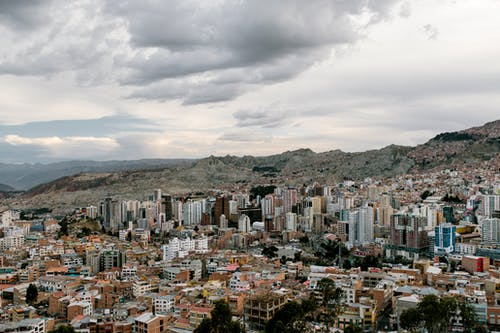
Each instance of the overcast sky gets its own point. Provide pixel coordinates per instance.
(102, 80)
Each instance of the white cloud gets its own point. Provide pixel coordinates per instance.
(65, 147)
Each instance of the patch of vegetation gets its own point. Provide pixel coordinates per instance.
(454, 136)
(220, 321)
(264, 169)
(261, 190)
(426, 194)
(452, 199)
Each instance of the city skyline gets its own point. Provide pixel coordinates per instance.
(96, 80)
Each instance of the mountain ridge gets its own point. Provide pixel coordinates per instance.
(296, 167)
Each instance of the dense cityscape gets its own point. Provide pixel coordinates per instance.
(272, 255)
(249, 166)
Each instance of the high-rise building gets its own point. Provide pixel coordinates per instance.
(221, 207)
(267, 205)
(291, 222)
(361, 226)
(92, 212)
(157, 195)
(408, 235)
(384, 214)
(244, 224)
(490, 230)
(166, 203)
(444, 238)
(289, 199)
(448, 214)
(223, 223)
(192, 211)
(316, 204)
(488, 205)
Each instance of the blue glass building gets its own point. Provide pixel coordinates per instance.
(445, 238)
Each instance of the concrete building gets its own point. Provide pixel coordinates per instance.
(150, 323)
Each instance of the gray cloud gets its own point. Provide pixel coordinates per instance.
(245, 136)
(241, 42)
(88, 127)
(232, 45)
(431, 31)
(268, 118)
(24, 14)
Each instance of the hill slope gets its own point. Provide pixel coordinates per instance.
(6, 188)
(291, 167)
(25, 176)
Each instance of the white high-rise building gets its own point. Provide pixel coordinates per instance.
(223, 223)
(490, 230)
(361, 226)
(180, 248)
(489, 203)
(291, 221)
(267, 205)
(233, 207)
(366, 219)
(177, 210)
(192, 211)
(242, 199)
(244, 224)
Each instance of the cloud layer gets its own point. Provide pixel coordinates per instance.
(133, 79)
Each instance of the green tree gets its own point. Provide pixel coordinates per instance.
(220, 321)
(469, 317)
(332, 302)
(63, 329)
(288, 319)
(31, 294)
(270, 252)
(293, 317)
(353, 329)
(410, 319)
(435, 314)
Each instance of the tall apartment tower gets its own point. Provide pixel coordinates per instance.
(221, 207)
(166, 205)
(408, 235)
(490, 230)
(289, 199)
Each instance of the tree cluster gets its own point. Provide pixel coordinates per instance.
(220, 321)
(296, 317)
(261, 190)
(31, 294)
(435, 315)
(270, 251)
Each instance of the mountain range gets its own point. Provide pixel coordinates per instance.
(85, 183)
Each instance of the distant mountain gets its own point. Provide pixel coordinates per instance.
(25, 176)
(303, 166)
(6, 188)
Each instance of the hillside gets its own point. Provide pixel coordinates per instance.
(292, 168)
(6, 188)
(466, 146)
(25, 176)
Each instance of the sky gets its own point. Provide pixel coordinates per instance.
(103, 79)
